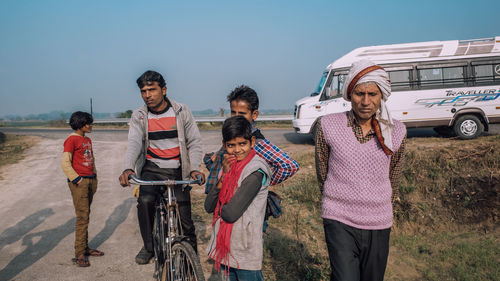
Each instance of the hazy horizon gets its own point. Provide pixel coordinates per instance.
(56, 114)
(56, 55)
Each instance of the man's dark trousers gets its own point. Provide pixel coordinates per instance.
(356, 254)
(147, 200)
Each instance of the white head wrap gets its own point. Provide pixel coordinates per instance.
(366, 71)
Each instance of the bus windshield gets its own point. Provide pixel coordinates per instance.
(321, 82)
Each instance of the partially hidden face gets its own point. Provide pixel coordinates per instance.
(365, 100)
(87, 128)
(239, 147)
(242, 108)
(154, 96)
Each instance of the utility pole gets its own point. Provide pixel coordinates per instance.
(91, 113)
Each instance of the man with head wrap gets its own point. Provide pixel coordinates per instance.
(359, 156)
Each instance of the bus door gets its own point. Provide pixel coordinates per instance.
(331, 100)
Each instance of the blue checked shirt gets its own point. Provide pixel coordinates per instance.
(280, 163)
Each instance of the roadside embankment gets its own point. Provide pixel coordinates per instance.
(13, 146)
(445, 226)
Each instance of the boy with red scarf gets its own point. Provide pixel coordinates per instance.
(239, 204)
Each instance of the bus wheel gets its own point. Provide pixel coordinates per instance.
(468, 127)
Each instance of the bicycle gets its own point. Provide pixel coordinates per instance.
(175, 259)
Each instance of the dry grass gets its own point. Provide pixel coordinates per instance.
(294, 244)
(455, 179)
(444, 228)
(13, 146)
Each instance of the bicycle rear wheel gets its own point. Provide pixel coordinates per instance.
(184, 264)
(159, 244)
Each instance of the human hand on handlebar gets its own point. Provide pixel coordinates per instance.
(196, 174)
(124, 177)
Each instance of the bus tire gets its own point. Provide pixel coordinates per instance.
(468, 127)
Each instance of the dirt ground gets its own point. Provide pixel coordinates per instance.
(37, 215)
(37, 228)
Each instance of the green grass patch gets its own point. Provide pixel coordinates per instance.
(450, 256)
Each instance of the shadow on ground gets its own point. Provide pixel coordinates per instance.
(49, 239)
(299, 138)
(116, 218)
(14, 233)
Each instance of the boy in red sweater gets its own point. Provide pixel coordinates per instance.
(79, 166)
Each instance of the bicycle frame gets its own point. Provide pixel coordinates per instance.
(169, 216)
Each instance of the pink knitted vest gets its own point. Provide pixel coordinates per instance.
(357, 190)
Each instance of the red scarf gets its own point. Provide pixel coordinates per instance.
(378, 133)
(222, 249)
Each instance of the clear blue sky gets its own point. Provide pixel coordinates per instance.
(56, 55)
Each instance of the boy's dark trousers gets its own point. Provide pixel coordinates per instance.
(82, 194)
(147, 200)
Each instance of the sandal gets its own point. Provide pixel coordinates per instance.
(81, 261)
(93, 252)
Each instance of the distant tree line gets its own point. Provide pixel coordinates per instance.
(125, 114)
(53, 115)
(61, 115)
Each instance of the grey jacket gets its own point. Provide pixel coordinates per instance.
(190, 144)
(246, 236)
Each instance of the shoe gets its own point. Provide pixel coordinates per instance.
(93, 252)
(81, 261)
(144, 256)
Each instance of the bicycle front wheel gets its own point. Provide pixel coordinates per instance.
(183, 265)
(159, 243)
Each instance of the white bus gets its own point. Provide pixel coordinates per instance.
(453, 86)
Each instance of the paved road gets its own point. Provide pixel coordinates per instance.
(210, 137)
(37, 216)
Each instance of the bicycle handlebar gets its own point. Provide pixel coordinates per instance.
(164, 182)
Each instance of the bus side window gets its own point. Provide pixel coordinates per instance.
(438, 77)
(430, 76)
(453, 75)
(400, 80)
(486, 73)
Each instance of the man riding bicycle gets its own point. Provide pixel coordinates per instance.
(163, 143)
